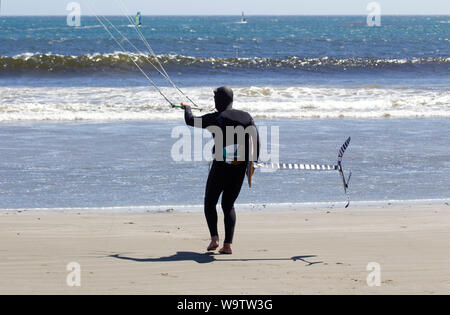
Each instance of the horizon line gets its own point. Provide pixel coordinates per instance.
(230, 15)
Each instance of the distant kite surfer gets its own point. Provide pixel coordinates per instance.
(229, 166)
(138, 19)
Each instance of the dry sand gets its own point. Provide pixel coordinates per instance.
(285, 252)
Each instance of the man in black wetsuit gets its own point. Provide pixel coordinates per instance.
(226, 175)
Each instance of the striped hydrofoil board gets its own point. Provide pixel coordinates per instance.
(312, 167)
(295, 166)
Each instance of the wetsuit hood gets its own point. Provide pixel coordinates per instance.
(223, 98)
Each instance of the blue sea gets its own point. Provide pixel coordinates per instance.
(81, 127)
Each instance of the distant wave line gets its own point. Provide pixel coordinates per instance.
(119, 61)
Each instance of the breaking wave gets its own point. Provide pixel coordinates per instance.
(301, 102)
(120, 62)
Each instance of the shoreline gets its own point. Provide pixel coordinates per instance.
(248, 207)
(285, 252)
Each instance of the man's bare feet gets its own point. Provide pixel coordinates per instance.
(226, 249)
(214, 243)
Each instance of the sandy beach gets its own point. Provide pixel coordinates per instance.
(317, 251)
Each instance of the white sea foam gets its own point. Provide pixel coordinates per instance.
(142, 103)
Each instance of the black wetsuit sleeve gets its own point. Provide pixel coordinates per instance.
(206, 120)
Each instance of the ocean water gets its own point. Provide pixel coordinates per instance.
(129, 165)
(281, 67)
(80, 126)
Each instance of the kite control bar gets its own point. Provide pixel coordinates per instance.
(181, 106)
(315, 167)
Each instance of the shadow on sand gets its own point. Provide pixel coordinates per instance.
(205, 258)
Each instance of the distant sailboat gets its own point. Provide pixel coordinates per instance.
(244, 20)
(138, 19)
